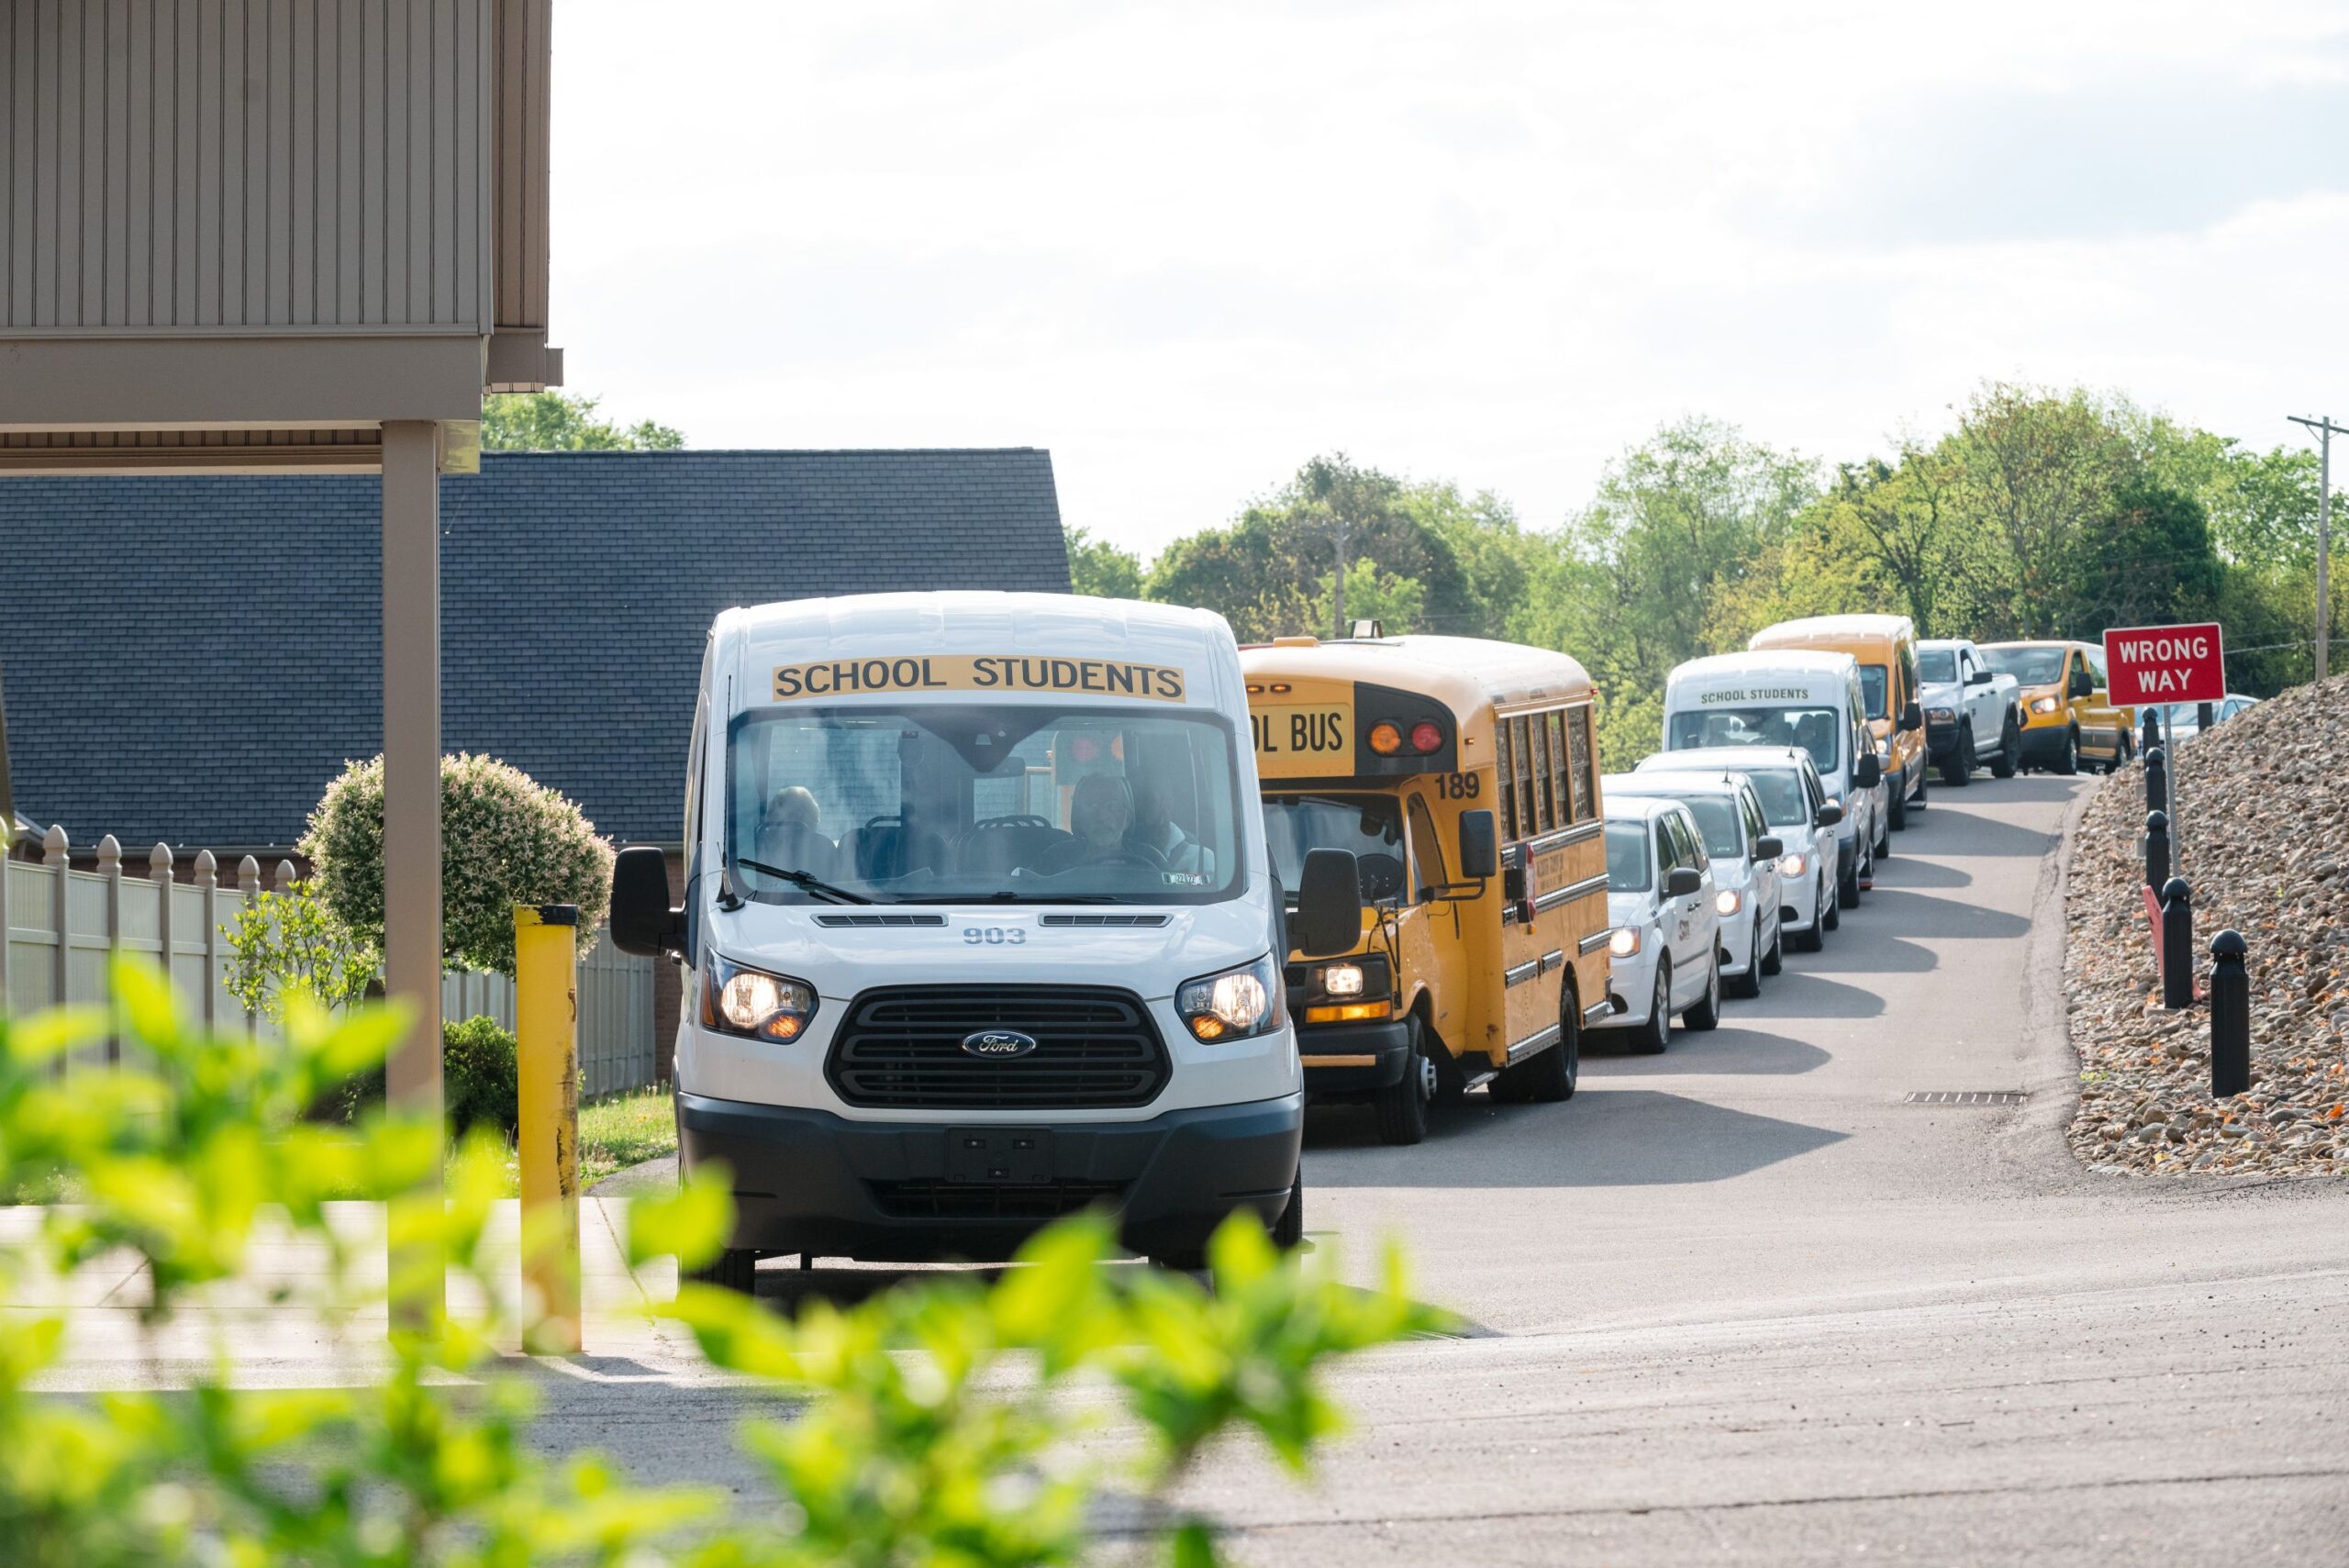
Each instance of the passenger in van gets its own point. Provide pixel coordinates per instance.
(789, 836)
(1100, 813)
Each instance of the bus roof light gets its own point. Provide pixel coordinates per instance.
(1426, 737)
(1386, 738)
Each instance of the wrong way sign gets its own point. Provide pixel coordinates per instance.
(2164, 664)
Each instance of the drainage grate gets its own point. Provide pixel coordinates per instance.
(1963, 1097)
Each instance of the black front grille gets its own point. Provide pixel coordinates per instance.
(969, 1200)
(904, 1048)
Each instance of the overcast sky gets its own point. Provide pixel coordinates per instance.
(1187, 246)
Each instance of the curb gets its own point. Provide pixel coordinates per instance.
(2038, 1137)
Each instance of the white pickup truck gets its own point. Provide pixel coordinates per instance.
(1971, 716)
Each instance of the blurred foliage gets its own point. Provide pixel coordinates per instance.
(940, 1423)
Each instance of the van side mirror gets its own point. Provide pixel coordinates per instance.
(1480, 853)
(1683, 881)
(2083, 684)
(643, 922)
(1329, 903)
(1868, 772)
(1829, 814)
(1767, 848)
(1912, 718)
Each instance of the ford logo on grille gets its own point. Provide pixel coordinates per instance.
(998, 1044)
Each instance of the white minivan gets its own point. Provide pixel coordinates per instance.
(1792, 698)
(1747, 888)
(1794, 804)
(979, 929)
(1664, 953)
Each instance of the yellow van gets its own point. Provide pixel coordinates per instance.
(2067, 712)
(1886, 647)
(1463, 776)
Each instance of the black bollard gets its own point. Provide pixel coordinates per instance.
(2230, 1017)
(2153, 736)
(2156, 848)
(2156, 779)
(2178, 943)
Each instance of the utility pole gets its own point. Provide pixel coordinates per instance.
(1343, 529)
(2326, 429)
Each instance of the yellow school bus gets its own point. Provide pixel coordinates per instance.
(1463, 776)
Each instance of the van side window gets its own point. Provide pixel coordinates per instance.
(1756, 826)
(1667, 847)
(1908, 675)
(1505, 775)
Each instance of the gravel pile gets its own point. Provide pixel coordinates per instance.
(2263, 799)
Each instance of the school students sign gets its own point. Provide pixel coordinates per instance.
(2164, 664)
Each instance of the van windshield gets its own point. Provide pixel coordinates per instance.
(1011, 803)
(1371, 825)
(1812, 729)
(1627, 856)
(2028, 666)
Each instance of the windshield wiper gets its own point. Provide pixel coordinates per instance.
(803, 881)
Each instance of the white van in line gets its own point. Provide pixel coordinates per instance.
(979, 929)
(1792, 698)
(1794, 804)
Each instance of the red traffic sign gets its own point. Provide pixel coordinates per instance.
(2165, 665)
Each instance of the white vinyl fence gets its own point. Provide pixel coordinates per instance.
(60, 929)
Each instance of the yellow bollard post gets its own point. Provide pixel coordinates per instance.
(546, 1030)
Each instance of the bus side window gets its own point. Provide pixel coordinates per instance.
(1505, 775)
(1520, 745)
(1427, 850)
(1578, 749)
(1540, 814)
(1560, 790)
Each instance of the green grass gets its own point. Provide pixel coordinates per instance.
(615, 1132)
(623, 1130)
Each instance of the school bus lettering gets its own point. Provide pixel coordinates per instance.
(1321, 733)
(1458, 786)
(980, 673)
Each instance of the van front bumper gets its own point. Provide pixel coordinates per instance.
(814, 1182)
(1346, 1059)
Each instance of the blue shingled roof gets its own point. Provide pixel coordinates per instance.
(191, 659)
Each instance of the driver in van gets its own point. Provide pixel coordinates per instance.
(1099, 813)
(789, 836)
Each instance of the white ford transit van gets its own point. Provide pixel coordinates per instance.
(1792, 698)
(979, 929)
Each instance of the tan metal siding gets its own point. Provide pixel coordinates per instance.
(521, 168)
(231, 165)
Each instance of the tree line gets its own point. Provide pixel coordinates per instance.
(2041, 513)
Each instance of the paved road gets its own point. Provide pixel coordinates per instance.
(1740, 1303)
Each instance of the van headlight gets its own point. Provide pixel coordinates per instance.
(1791, 864)
(1625, 942)
(1234, 1005)
(737, 999)
(2045, 705)
(1729, 901)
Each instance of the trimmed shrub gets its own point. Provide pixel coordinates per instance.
(504, 840)
(478, 1083)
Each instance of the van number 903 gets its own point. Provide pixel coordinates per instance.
(995, 936)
